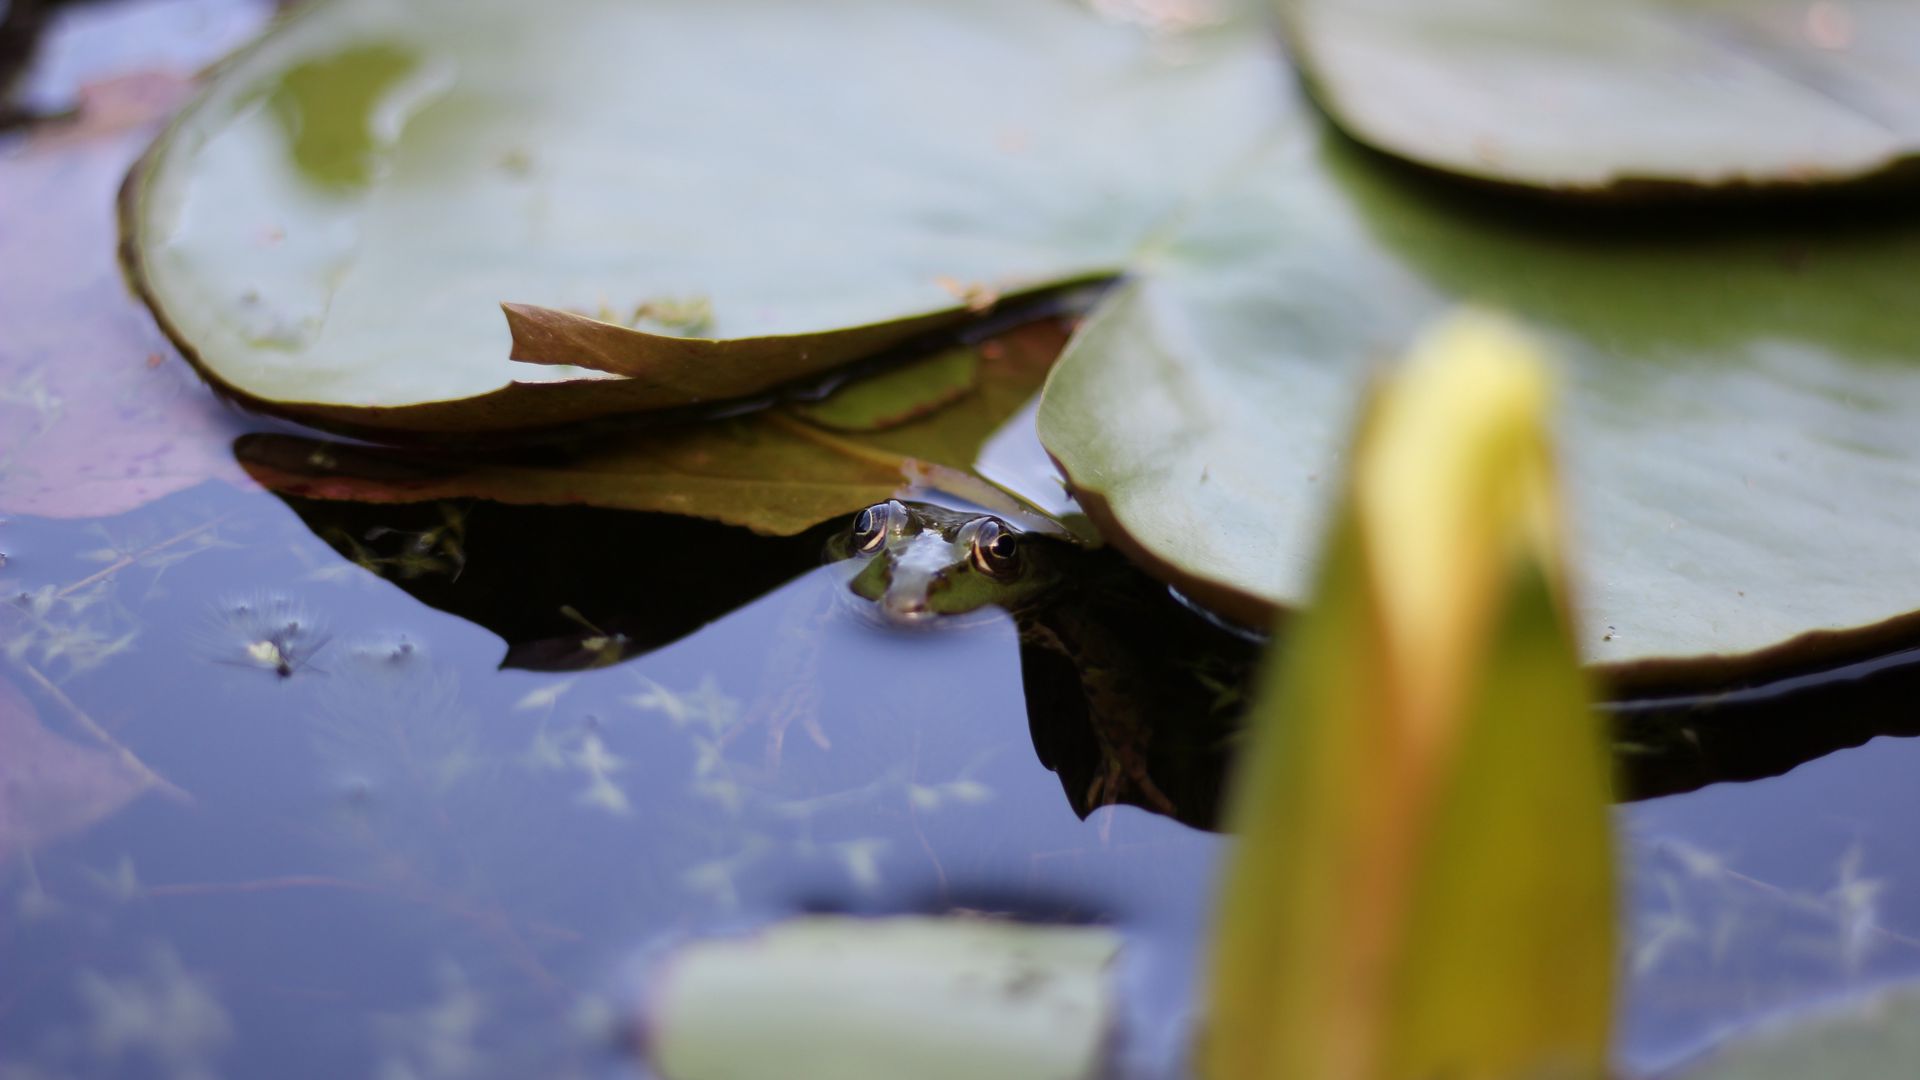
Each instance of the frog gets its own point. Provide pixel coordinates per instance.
(921, 561)
(1132, 695)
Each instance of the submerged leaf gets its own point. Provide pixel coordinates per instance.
(719, 471)
(1422, 885)
(51, 787)
(848, 999)
(94, 418)
(1623, 95)
(341, 254)
(891, 398)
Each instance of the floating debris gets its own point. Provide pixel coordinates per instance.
(270, 632)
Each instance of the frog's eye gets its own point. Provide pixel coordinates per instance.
(870, 527)
(996, 549)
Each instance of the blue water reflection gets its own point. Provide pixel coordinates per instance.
(397, 828)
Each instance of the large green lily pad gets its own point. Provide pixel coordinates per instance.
(1624, 94)
(762, 189)
(1739, 399)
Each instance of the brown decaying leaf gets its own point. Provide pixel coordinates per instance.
(770, 472)
(664, 371)
(51, 786)
(89, 425)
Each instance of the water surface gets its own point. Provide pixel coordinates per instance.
(368, 848)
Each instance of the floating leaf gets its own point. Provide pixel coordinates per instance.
(771, 472)
(341, 253)
(1422, 884)
(1622, 96)
(848, 999)
(1742, 469)
(94, 418)
(51, 787)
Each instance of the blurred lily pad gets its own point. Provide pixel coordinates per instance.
(1624, 95)
(848, 998)
(1876, 1037)
(330, 229)
(1742, 464)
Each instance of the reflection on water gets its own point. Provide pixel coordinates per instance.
(400, 859)
(399, 855)
(1131, 696)
(1752, 898)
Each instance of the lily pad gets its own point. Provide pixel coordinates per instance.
(1623, 96)
(330, 229)
(848, 998)
(1742, 463)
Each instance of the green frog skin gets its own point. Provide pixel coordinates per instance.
(921, 561)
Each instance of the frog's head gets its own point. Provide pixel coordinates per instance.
(920, 561)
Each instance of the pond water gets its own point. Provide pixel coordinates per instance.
(263, 812)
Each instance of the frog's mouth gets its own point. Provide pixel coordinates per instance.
(920, 618)
(911, 589)
(904, 609)
(911, 579)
